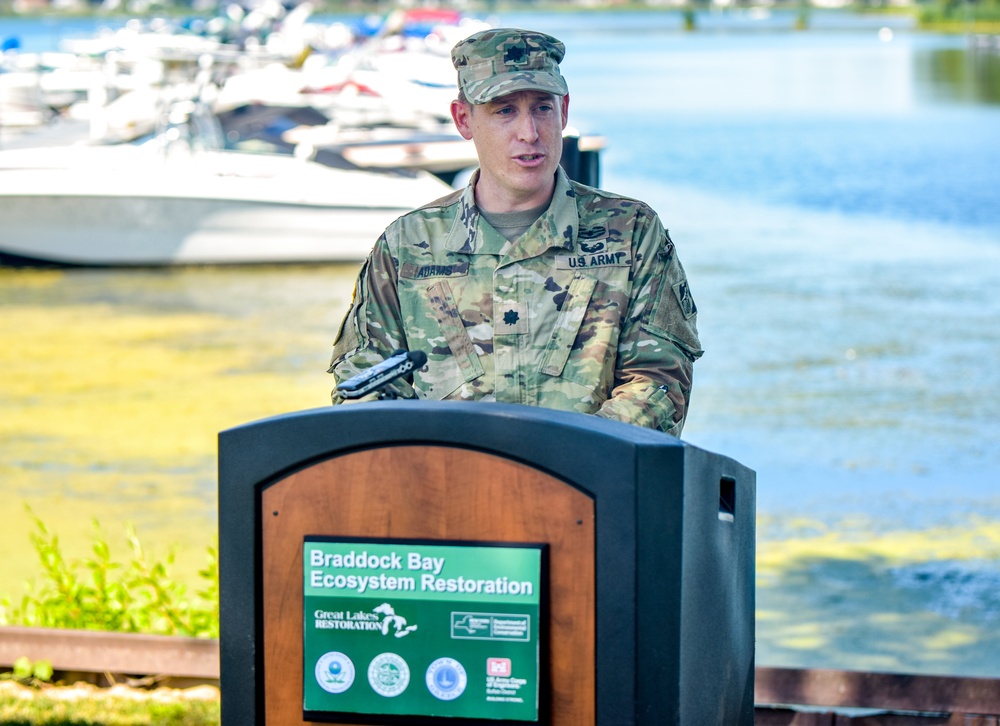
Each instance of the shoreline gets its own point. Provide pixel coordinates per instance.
(777, 690)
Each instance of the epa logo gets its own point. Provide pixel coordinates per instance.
(334, 672)
(498, 667)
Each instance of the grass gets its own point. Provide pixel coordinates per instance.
(84, 705)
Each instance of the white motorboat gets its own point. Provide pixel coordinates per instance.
(152, 205)
(180, 198)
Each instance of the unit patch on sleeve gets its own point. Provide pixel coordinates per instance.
(684, 299)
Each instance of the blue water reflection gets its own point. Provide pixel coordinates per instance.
(833, 196)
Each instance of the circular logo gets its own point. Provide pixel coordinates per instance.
(388, 674)
(334, 672)
(446, 679)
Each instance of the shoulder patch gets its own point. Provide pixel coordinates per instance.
(683, 294)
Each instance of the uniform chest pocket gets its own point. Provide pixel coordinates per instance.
(457, 362)
(584, 341)
(567, 325)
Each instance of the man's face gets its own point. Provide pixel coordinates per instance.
(518, 139)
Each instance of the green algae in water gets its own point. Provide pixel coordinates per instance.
(115, 384)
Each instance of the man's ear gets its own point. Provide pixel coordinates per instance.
(565, 111)
(460, 114)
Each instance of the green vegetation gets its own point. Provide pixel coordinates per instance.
(89, 706)
(97, 593)
(29, 673)
(979, 16)
(129, 431)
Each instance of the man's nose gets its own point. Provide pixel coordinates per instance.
(527, 130)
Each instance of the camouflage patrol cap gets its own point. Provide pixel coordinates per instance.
(498, 61)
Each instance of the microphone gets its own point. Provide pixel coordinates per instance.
(399, 363)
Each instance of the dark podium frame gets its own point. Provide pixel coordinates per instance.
(674, 545)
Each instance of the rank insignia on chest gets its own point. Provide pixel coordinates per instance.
(510, 318)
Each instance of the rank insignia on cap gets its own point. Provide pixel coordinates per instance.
(500, 61)
(515, 54)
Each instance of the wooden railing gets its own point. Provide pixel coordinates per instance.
(82, 652)
(836, 697)
(784, 696)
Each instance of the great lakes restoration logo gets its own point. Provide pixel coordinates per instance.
(388, 675)
(446, 679)
(383, 619)
(391, 620)
(334, 672)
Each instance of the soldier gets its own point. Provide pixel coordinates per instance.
(527, 287)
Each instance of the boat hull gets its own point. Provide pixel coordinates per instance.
(137, 231)
(117, 207)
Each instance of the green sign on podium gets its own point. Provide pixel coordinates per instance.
(431, 562)
(411, 628)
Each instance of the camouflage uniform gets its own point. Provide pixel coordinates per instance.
(493, 63)
(589, 311)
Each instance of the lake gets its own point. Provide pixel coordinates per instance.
(832, 194)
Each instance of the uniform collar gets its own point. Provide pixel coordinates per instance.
(556, 228)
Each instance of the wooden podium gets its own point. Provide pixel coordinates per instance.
(650, 547)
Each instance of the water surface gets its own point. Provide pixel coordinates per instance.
(833, 198)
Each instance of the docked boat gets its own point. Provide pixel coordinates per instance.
(151, 205)
(278, 163)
